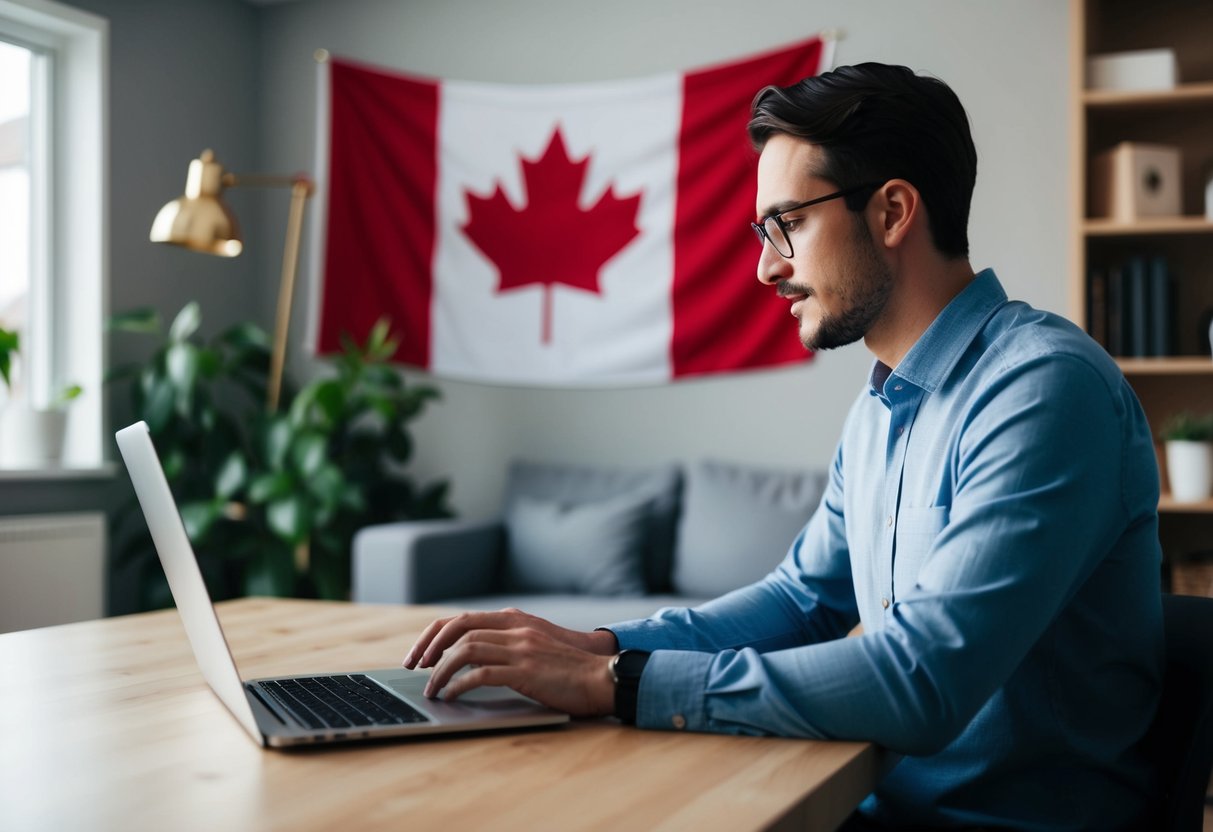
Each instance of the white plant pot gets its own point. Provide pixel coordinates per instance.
(1190, 470)
(31, 437)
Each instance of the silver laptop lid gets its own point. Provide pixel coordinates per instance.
(184, 577)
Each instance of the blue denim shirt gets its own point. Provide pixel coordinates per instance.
(991, 519)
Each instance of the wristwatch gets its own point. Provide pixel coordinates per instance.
(626, 668)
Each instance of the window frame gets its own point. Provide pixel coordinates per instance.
(69, 262)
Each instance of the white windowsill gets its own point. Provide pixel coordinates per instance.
(105, 470)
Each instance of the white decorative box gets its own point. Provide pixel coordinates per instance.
(1143, 69)
(1134, 180)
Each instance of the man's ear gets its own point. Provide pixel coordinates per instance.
(898, 208)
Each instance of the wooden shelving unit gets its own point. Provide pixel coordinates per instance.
(1181, 117)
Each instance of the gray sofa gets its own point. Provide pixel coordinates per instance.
(587, 545)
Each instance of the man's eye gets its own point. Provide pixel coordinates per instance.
(792, 224)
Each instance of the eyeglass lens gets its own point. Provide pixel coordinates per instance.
(775, 234)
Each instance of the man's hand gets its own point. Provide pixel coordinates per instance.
(562, 668)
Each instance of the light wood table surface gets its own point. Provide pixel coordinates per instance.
(109, 725)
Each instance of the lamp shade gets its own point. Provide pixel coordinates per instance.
(200, 220)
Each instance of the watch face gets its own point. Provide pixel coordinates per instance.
(630, 664)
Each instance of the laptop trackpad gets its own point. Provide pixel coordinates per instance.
(412, 684)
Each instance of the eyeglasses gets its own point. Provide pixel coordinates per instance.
(775, 228)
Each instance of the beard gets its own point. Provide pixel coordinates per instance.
(864, 291)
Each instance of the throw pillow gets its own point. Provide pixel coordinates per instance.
(590, 548)
(737, 524)
(575, 484)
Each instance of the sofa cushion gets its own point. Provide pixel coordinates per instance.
(737, 524)
(573, 484)
(592, 548)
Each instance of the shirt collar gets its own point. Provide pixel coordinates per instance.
(937, 350)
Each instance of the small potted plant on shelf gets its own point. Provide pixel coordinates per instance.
(1188, 441)
(30, 437)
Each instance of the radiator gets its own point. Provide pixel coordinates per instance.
(52, 569)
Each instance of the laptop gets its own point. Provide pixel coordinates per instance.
(315, 708)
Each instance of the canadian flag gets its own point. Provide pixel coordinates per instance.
(572, 234)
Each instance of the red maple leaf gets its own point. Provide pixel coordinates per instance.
(551, 239)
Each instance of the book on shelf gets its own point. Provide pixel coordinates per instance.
(1131, 307)
(1162, 308)
(1138, 309)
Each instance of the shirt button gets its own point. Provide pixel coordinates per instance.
(884, 603)
(900, 431)
(889, 522)
(898, 387)
(679, 721)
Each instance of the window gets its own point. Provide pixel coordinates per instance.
(52, 219)
(18, 204)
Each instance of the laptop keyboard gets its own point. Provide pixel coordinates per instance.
(340, 702)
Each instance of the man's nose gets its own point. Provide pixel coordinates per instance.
(772, 267)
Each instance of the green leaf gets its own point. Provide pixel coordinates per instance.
(384, 375)
(379, 347)
(209, 363)
(199, 517)
(246, 336)
(318, 404)
(353, 499)
(399, 445)
(69, 394)
(182, 365)
(309, 452)
(158, 399)
(186, 323)
(378, 335)
(384, 406)
(289, 518)
(144, 320)
(233, 474)
(270, 487)
(327, 485)
(277, 442)
(10, 343)
(173, 462)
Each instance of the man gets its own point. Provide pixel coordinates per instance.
(990, 517)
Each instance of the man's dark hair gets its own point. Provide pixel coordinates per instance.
(876, 122)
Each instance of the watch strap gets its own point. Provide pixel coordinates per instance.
(626, 669)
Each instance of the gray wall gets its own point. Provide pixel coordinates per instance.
(240, 78)
(1006, 60)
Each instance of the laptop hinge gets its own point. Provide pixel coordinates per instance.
(278, 712)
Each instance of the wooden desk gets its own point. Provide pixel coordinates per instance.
(109, 725)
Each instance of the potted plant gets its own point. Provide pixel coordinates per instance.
(30, 437)
(1188, 442)
(271, 501)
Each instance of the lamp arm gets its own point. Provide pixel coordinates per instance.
(301, 189)
(263, 180)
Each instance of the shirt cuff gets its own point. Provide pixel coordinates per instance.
(642, 634)
(672, 690)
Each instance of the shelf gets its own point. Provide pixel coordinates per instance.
(1184, 94)
(1169, 506)
(1147, 227)
(1187, 365)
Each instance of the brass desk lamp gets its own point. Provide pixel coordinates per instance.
(201, 221)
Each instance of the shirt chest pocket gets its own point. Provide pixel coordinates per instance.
(917, 529)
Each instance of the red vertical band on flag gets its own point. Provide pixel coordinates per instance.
(723, 318)
(382, 214)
